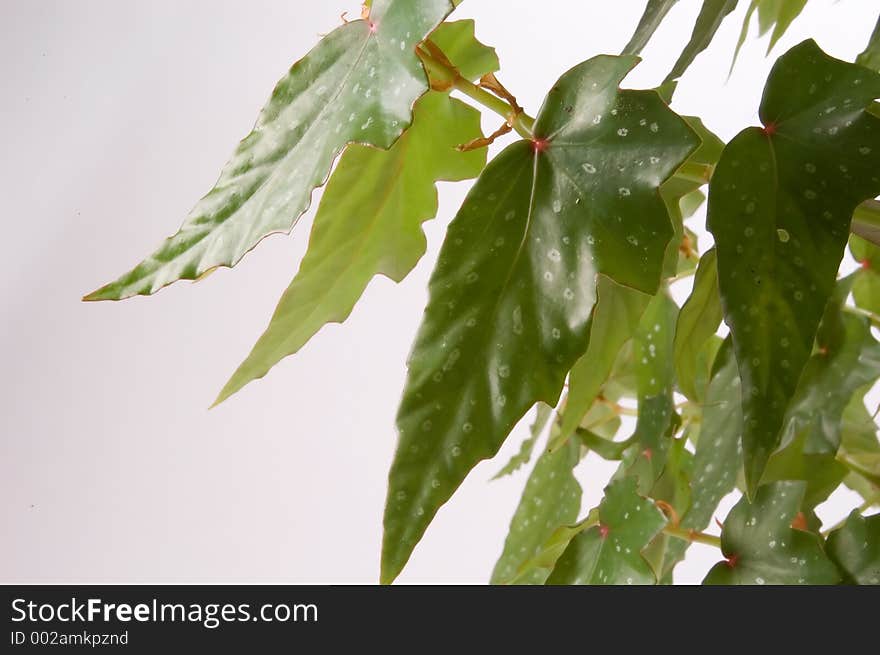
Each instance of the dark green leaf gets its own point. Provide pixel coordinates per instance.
(458, 42)
(761, 547)
(369, 222)
(870, 57)
(655, 12)
(614, 320)
(551, 499)
(855, 548)
(699, 319)
(514, 288)
(543, 414)
(708, 21)
(780, 205)
(357, 85)
(610, 552)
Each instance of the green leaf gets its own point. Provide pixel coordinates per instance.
(780, 205)
(552, 498)
(655, 12)
(514, 288)
(844, 362)
(610, 553)
(614, 321)
(778, 14)
(712, 13)
(866, 285)
(855, 548)
(357, 85)
(458, 42)
(699, 319)
(674, 488)
(870, 57)
(761, 547)
(683, 197)
(368, 223)
(655, 379)
(717, 454)
(543, 414)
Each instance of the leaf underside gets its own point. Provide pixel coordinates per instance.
(357, 85)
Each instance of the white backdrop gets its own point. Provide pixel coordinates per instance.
(117, 115)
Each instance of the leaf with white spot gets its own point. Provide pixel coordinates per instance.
(655, 374)
(357, 85)
(761, 547)
(515, 282)
(855, 548)
(712, 13)
(543, 414)
(615, 318)
(655, 12)
(369, 223)
(780, 205)
(698, 320)
(717, 455)
(847, 358)
(611, 552)
(551, 499)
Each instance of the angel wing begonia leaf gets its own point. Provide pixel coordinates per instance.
(515, 283)
(780, 205)
(357, 85)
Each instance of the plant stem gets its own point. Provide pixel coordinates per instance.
(692, 535)
(440, 70)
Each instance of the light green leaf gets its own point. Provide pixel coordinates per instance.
(683, 197)
(458, 42)
(551, 499)
(614, 321)
(674, 488)
(699, 319)
(655, 12)
(712, 13)
(780, 205)
(543, 414)
(870, 57)
(717, 456)
(761, 547)
(368, 223)
(514, 288)
(778, 14)
(655, 376)
(610, 552)
(855, 548)
(357, 85)
(866, 285)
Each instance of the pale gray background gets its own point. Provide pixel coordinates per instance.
(117, 115)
